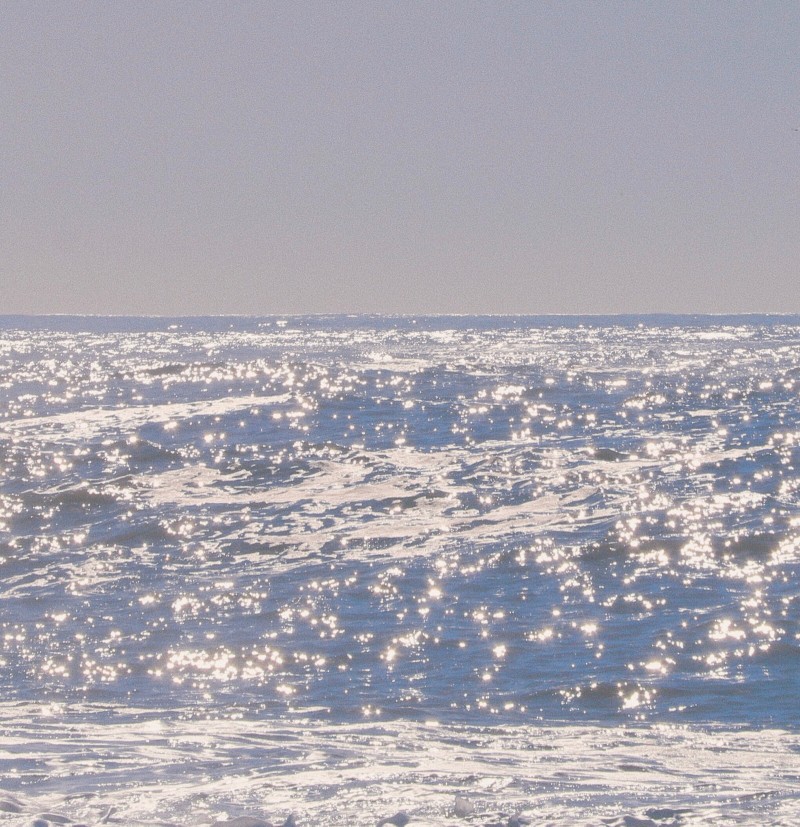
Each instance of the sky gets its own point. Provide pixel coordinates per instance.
(192, 158)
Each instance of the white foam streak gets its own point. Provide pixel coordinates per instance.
(85, 424)
(413, 500)
(194, 772)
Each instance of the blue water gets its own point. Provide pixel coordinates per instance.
(475, 522)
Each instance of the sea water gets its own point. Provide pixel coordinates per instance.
(344, 566)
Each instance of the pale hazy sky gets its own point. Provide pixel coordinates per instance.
(499, 157)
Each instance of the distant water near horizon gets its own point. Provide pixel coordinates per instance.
(339, 566)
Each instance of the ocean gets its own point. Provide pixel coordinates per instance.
(477, 570)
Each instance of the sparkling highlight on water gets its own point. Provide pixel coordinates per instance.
(397, 542)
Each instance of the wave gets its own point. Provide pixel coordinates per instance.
(133, 767)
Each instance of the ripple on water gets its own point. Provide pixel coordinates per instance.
(481, 522)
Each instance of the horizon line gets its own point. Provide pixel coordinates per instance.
(403, 315)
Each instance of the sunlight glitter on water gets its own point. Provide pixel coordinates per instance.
(477, 521)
